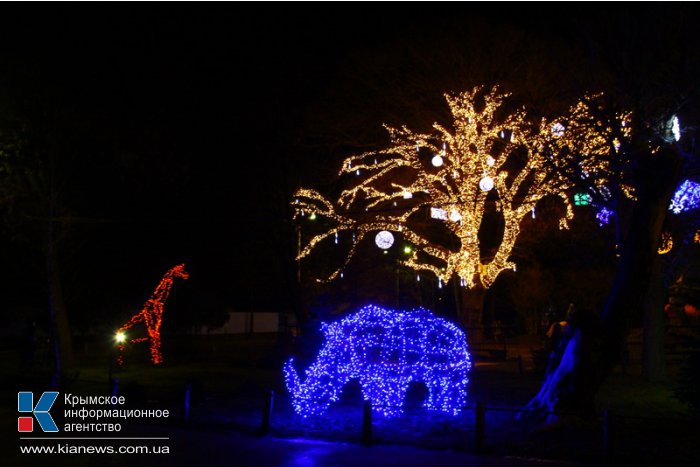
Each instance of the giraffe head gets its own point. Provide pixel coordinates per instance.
(178, 271)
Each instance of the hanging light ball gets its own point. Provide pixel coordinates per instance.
(558, 130)
(384, 239)
(437, 160)
(676, 128)
(490, 161)
(486, 183)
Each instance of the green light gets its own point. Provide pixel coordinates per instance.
(312, 216)
(407, 249)
(582, 199)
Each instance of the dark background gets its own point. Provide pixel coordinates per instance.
(180, 132)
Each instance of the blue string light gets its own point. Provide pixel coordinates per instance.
(687, 197)
(386, 351)
(604, 216)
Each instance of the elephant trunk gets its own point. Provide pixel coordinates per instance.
(291, 378)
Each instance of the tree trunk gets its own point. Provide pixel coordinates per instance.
(653, 354)
(61, 344)
(471, 311)
(592, 345)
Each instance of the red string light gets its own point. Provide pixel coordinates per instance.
(152, 315)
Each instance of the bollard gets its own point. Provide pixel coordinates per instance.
(479, 426)
(113, 388)
(110, 370)
(607, 435)
(186, 403)
(367, 423)
(267, 412)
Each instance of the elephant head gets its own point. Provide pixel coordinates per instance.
(325, 377)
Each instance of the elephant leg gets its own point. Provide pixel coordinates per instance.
(396, 397)
(451, 395)
(387, 395)
(444, 396)
(432, 397)
(434, 392)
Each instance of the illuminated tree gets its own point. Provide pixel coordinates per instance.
(498, 159)
(494, 159)
(650, 69)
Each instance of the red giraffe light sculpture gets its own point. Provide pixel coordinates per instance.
(152, 315)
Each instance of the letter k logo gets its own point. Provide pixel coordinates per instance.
(25, 403)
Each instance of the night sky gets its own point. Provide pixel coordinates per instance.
(173, 130)
(180, 132)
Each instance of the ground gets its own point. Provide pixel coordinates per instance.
(228, 378)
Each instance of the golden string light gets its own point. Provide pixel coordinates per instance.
(493, 156)
(666, 243)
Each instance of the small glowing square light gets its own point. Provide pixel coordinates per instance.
(582, 199)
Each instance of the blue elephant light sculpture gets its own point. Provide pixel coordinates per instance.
(386, 350)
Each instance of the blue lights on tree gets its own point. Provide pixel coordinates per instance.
(687, 197)
(386, 350)
(604, 216)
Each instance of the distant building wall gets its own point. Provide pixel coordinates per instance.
(247, 322)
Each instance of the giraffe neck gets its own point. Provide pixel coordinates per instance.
(163, 289)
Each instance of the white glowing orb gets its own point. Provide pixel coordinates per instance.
(407, 195)
(558, 130)
(384, 239)
(486, 183)
(455, 216)
(437, 213)
(120, 337)
(676, 128)
(490, 161)
(437, 160)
